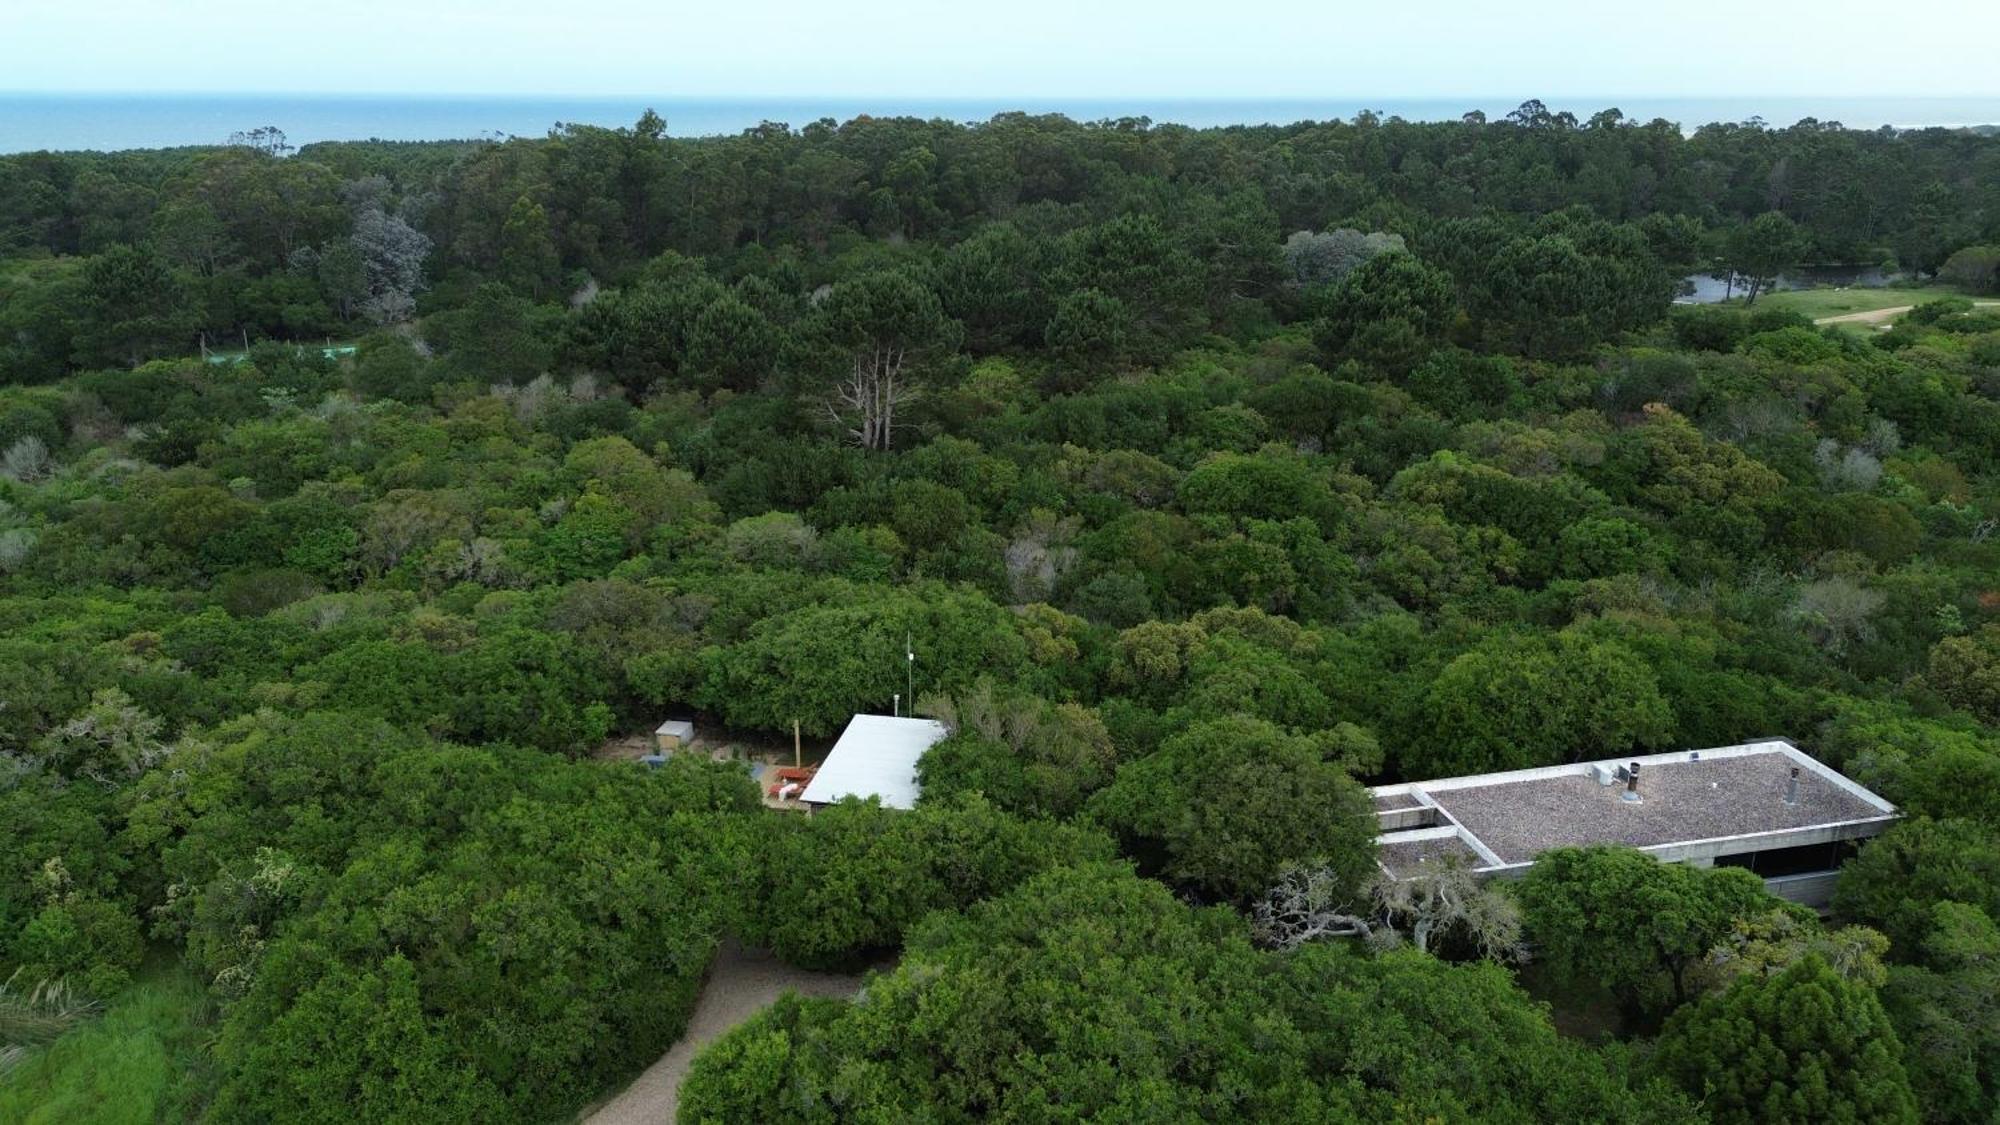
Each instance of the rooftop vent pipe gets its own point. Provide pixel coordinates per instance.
(1631, 785)
(1792, 788)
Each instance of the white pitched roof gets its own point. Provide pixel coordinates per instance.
(875, 757)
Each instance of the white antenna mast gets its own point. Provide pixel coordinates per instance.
(910, 672)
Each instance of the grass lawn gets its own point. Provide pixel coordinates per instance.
(1818, 303)
(134, 1063)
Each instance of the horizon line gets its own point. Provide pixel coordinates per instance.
(979, 97)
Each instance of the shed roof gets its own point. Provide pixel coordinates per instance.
(876, 756)
(677, 728)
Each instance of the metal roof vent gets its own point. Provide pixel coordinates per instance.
(1792, 788)
(1631, 785)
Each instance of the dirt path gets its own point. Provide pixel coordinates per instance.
(741, 983)
(1884, 316)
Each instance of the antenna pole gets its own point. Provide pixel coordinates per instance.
(910, 672)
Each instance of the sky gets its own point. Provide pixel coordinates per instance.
(1082, 48)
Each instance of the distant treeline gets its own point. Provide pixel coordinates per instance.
(138, 254)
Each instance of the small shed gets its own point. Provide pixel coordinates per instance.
(672, 735)
(876, 756)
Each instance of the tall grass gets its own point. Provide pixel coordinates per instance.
(134, 1064)
(33, 1014)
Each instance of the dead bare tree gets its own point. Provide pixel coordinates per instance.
(1307, 905)
(888, 330)
(865, 401)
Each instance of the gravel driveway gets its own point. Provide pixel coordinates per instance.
(740, 984)
(1884, 316)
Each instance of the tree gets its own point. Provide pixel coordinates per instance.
(1425, 908)
(1975, 267)
(1897, 880)
(494, 338)
(1089, 330)
(1759, 249)
(370, 1051)
(731, 344)
(1390, 312)
(1623, 919)
(1516, 701)
(1947, 1013)
(1326, 257)
(1785, 935)
(1222, 806)
(135, 308)
(1925, 239)
(642, 333)
(266, 139)
(110, 742)
(529, 260)
(1056, 995)
(1036, 998)
(1026, 755)
(1966, 671)
(843, 886)
(887, 334)
(342, 277)
(77, 937)
(420, 884)
(1137, 260)
(1802, 1046)
(993, 283)
(1417, 1038)
(190, 235)
(387, 365)
(392, 255)
(820, 663)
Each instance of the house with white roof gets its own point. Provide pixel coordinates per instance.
(876, 756)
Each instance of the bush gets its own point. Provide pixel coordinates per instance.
(92, 942)
(1896, 880)
(1222, 806)
(1804, 1046)
(1976, 267)
(1090, 990)
(1621, 918)
(839, 888)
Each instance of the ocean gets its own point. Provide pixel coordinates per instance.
(109, 122)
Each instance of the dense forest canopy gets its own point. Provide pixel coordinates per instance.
(247, 241)
(1209, 475)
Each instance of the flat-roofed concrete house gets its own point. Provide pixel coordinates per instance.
(1766, 806)
(876, 756)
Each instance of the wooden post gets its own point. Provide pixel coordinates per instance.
(798, 756)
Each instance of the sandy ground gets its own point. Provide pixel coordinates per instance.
(1884, 316)
(740, 984)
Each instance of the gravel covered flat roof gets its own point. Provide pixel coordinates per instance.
(1404, 858)
(1683, 801)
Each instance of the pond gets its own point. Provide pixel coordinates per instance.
(1706, 290)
